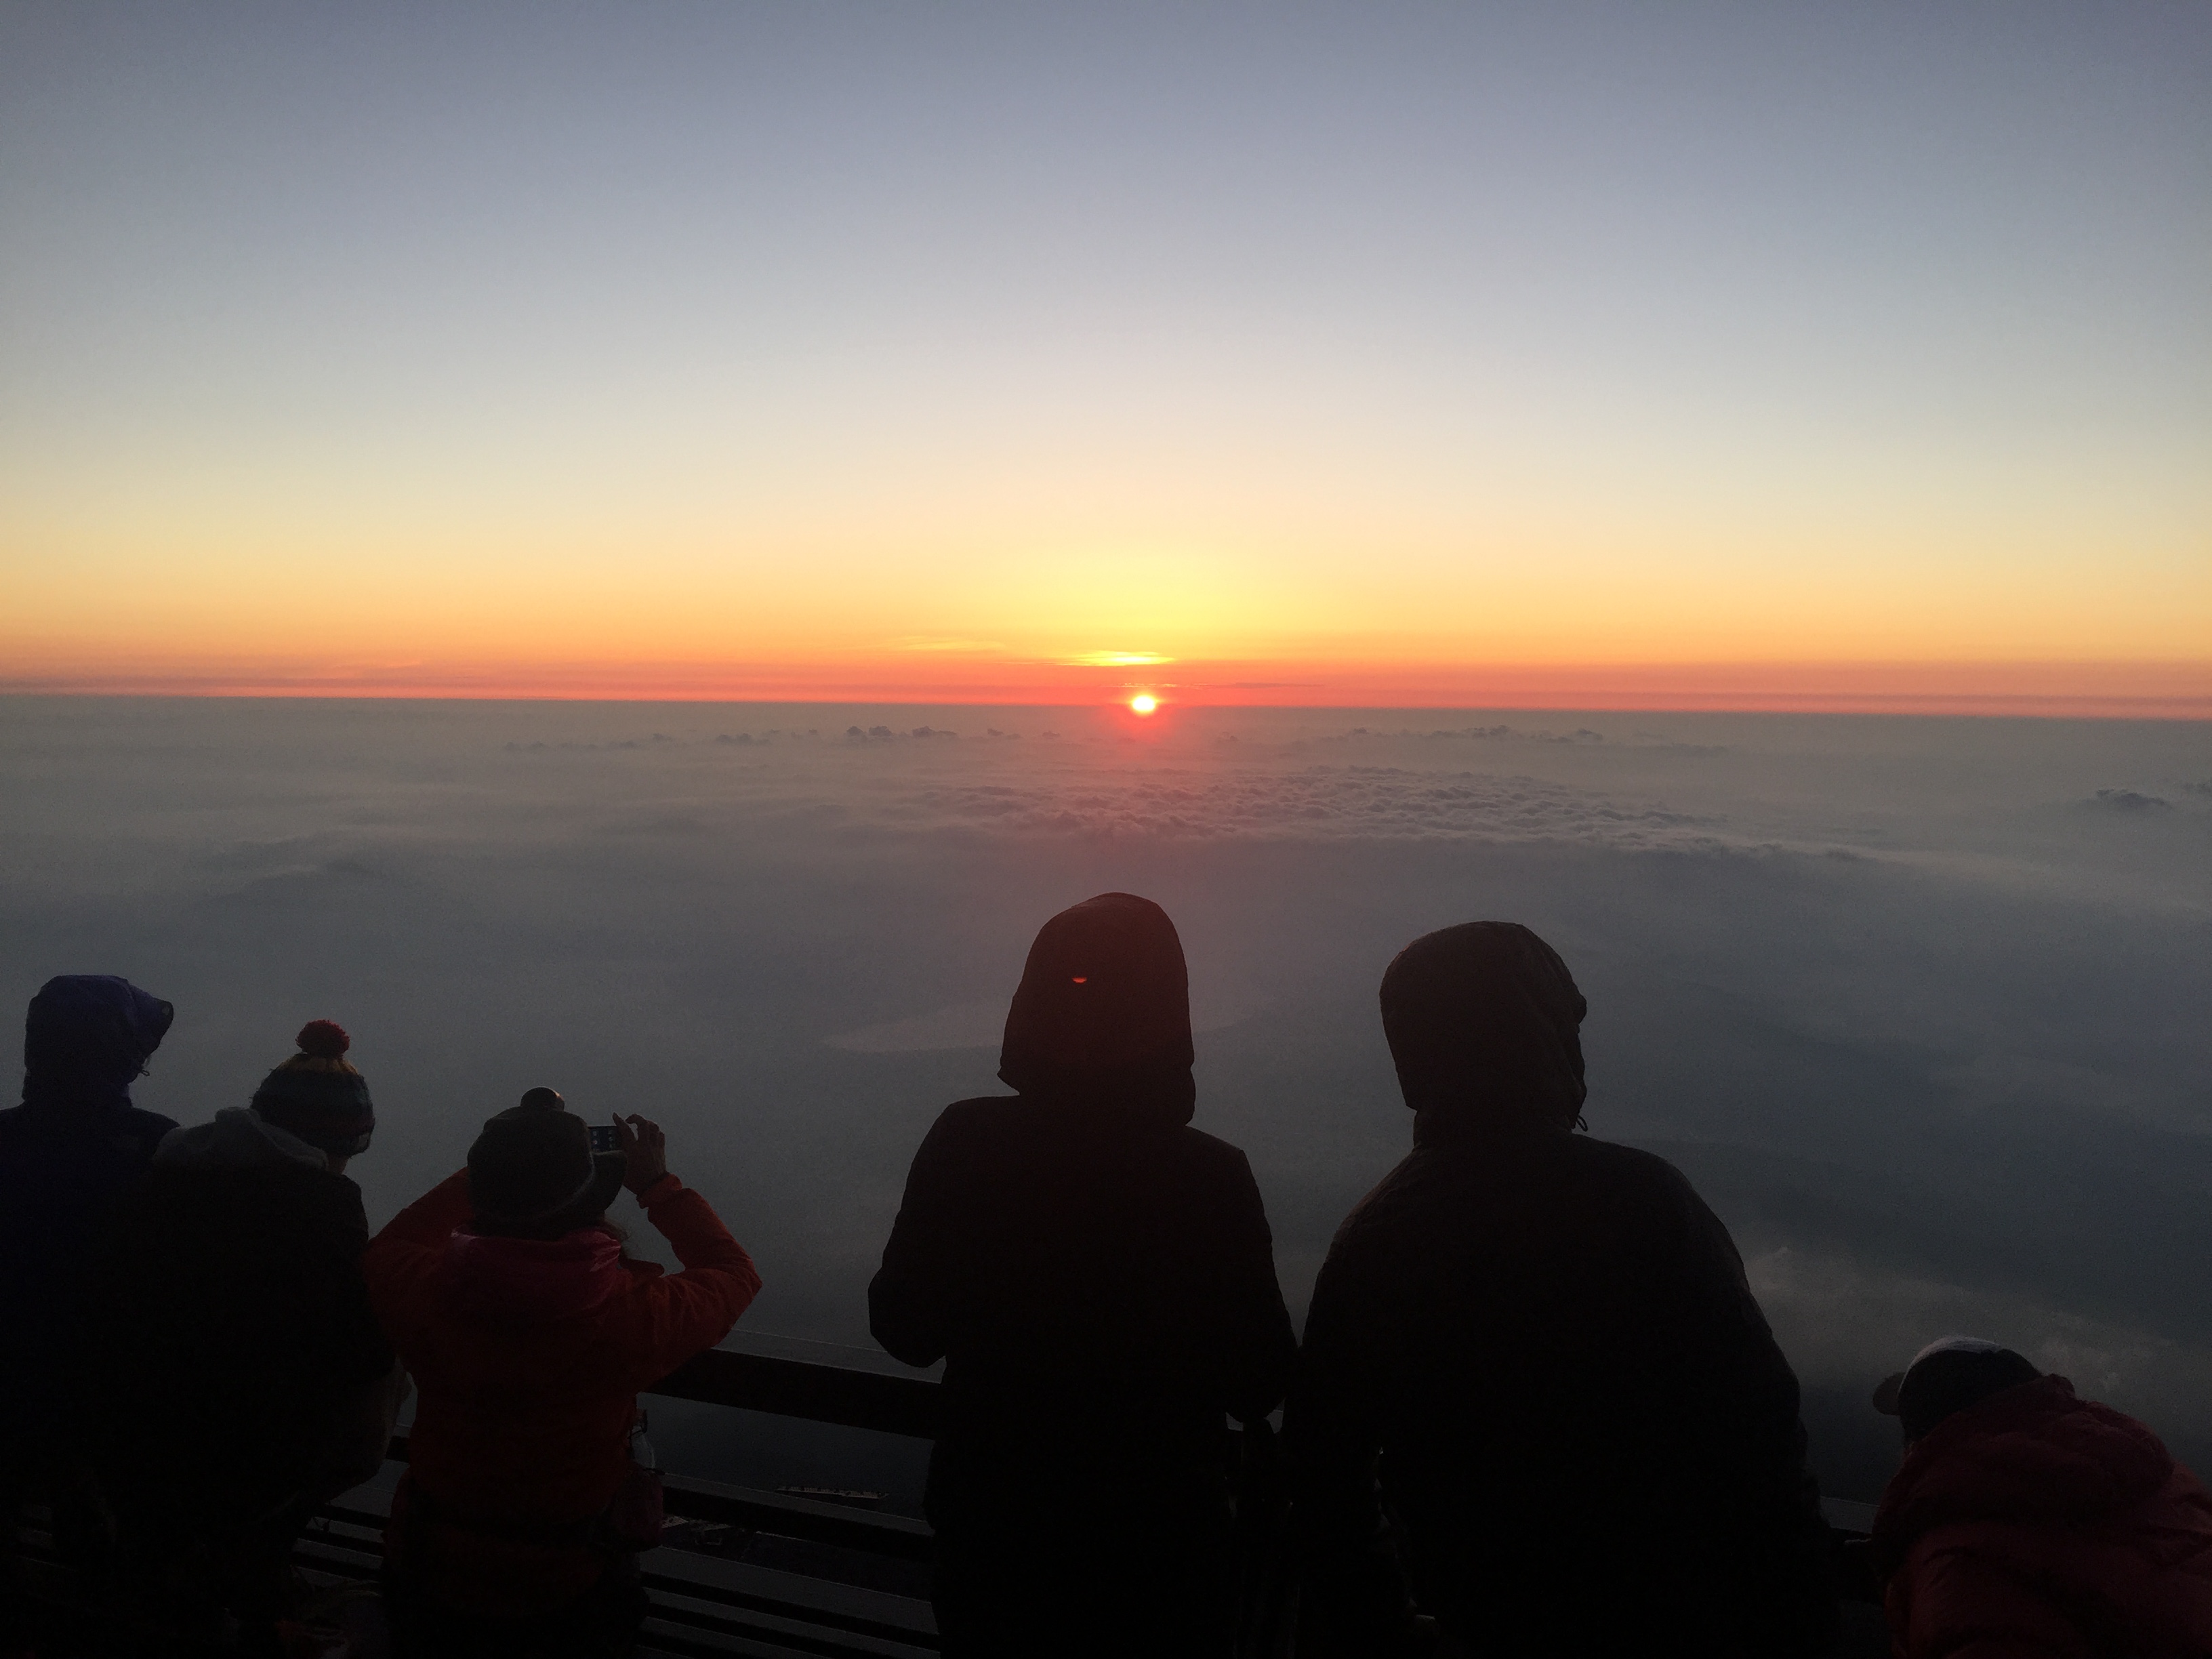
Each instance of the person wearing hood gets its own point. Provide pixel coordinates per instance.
(1540, 1352)
(75, 1142)
(66, 1153)
(2026, 1520)
(530, 1333)
(234, 1378)
(1099, 1279)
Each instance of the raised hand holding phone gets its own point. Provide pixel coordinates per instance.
(646, 1148)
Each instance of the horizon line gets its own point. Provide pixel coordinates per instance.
(2081, 689)
(1995, 706)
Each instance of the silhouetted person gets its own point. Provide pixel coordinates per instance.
(1546, 1347)
(1099, 1279)
(75, 1142)
(529, 1333)
(2025, 1521)
(234, 1378)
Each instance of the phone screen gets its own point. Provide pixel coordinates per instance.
(603, 1139)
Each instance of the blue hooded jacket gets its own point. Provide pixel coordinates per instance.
(73, 1144)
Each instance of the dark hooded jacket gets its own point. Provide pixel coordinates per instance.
(1545, 1347)
(2034, 1522)
(65, 1153)
(227, 1328)
(1098, 1275)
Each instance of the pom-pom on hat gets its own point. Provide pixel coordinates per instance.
(318, 1096)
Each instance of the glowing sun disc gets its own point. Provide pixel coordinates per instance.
(1143, 703)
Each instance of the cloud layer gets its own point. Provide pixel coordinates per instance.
(1915, 1006)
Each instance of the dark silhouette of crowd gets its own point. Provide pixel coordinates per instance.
(1536, 1411)
(204, 1346)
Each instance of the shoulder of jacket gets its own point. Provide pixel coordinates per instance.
(341, 1193)
(1634, 1167)
(978, 1113)
(1213, 1148)
(327, 1187)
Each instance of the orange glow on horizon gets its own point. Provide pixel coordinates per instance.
(2124, 690)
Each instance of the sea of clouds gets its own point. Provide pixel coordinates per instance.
(1917, 1004)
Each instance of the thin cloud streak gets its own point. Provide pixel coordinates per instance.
(2092, 690)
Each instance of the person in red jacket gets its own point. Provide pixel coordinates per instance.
(529, 1333)
(2026, 1521)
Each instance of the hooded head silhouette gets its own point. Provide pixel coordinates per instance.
(1484, 1023)
(86, 1040)
(1102, 1014)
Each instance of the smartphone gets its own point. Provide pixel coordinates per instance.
(604, 1138)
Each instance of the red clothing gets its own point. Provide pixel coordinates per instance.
(528, 1354)
(2037, 1526)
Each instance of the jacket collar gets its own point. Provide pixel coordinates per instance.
(239, 1138)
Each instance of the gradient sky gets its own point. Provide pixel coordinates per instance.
(1399, 351)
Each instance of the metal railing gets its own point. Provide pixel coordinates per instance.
(705, 1603)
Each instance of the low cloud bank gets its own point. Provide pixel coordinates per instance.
(1956, 1078)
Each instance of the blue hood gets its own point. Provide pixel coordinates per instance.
(87, 1040)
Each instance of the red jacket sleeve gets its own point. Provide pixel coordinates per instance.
(678, 1315)
(1952, 1601)
(400, 1260)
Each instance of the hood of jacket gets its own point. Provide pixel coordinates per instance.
(239, 1138)
(1101, 1018)
(2032, 1453)
(86, 1039)
(1484, 1021)
(533, 1280)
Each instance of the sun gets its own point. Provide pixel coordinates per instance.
(1143, 703)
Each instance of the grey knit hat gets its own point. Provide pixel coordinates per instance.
(318, 1096)
(532, 1170)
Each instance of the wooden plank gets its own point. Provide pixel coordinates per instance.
(793, 1516)
(741, 1583)
(686, 1617)
(896, 1535)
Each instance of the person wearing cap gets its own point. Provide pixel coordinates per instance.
(74, 1145)
(233, 1376)
(530, 1333)
(2025, 1520)
(1542, 1346)
(1099, 1279)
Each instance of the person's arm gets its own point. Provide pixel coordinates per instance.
(357, 1432)
(1736, 1402)
(400, 1260)
(683, 1313)
(908, 1311)
(1332, 1434)
(430, 1220)
(1258, 1347)
(1951, 1602)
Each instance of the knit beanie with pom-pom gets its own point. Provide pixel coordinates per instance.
(318, 1096)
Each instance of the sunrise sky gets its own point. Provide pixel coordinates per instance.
(1762, 355)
